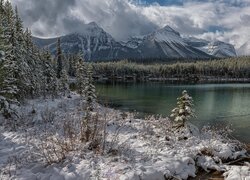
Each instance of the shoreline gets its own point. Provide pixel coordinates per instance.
(173, 80)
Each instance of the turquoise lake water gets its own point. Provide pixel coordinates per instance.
(215, 104)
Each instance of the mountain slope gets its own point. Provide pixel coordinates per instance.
(216, 48)
(244, 50)
(166, 42)
(41, 42)
(93, 41)
(96, 44)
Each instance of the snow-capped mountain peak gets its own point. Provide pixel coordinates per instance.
(96, 44)
(244, 49)
(93, 24)
(166, 34)
(92, 30)
(215, 48)
(168, 29)
(220, 49)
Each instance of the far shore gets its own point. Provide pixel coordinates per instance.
(174, 79)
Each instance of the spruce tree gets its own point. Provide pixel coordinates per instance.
(59, 57)
(90, 97)
(28, 41)
(1, 31)
(9, 91)
(46, 77)
(80, 75)
(184, 111)
(24, 71)
(65, 83)
(90, 93)
(54, 86)
(71, 70)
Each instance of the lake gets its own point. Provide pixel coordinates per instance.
(215, 104)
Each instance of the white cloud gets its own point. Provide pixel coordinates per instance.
(198, 18)
(124, 18)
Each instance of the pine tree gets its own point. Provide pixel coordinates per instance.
(19, 29)
(1, 6)
(71, 70)
(65, 83)
(28, 41)
(59, 57)
(89, 91)
(45, 74)
(54, 86)
(14, 38)
(9, 91)
(24, 70)
(184, 111)
(90, 97)
(80, 75)
(1, 30)
(51, 81)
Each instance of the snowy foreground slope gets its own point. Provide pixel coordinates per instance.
(135, 148)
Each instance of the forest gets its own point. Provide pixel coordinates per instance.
(27, 72)
(238, 67)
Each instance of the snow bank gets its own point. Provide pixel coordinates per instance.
(237, 173)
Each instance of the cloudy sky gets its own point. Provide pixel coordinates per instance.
(227, 20)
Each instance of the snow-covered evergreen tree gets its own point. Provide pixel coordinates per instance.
(90, 92)
(24, 70)
(59, 58)
(72, 67)
(1, 30)
(184, 110)
(9, 91)
(54, 86)
(80, 75)
(90, 97)
(64, 83)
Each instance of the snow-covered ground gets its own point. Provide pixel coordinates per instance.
(134, 148)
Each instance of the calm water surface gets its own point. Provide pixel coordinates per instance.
(215, 104)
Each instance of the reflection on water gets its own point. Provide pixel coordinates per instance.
(215, 104)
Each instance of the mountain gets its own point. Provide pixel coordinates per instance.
(96, 44)
(133, 42)
(93, 41)
(216, 48)
(244, 49)
(167, 43)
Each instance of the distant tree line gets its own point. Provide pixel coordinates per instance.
(238, 67)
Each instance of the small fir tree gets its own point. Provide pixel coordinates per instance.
(184, 111)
